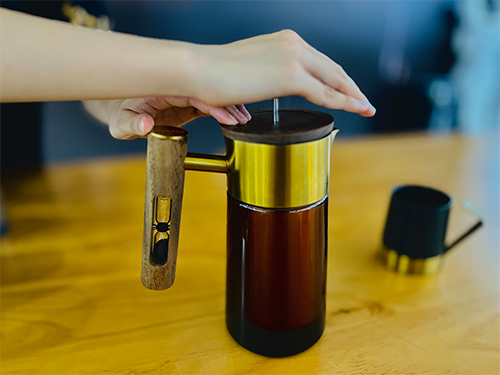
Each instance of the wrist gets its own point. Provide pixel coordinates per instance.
(174, 69)
(199, 68)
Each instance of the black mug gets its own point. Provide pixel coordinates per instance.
(415, 230)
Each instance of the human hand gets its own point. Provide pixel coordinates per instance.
(134, 118)
(274, 65)
(250, 70)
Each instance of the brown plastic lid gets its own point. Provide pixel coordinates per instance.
(294, 126)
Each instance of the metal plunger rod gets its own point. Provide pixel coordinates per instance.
(276, 109)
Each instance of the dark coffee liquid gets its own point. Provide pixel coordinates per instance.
(276, 276)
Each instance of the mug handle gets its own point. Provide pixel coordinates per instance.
(471, 230)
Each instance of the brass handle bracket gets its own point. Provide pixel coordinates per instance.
(206, 163)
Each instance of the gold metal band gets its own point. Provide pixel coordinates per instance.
(403, 264)
(264, 175)
(279, 176)
(169, 132)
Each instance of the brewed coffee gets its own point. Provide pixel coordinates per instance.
(276, 276)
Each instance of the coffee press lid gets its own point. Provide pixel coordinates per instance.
(294, 126)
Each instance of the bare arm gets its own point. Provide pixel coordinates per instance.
(44, 60)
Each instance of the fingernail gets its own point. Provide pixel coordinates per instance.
(362, 104)
(365, 105)
(242, 118)
(141, 126)
(245, 112)
(232, 120)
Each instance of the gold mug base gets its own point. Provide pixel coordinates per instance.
(405, 265)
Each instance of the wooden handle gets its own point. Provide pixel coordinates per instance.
(167, 149)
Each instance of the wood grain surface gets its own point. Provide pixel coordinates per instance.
(164, 178)
(72, 301)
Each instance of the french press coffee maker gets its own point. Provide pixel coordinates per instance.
(278, 167)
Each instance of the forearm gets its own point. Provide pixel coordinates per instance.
(44, 60)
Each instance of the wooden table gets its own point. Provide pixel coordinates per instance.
(72, 301)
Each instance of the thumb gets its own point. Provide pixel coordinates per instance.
(130, 125)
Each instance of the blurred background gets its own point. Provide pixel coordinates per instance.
(425, 65)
